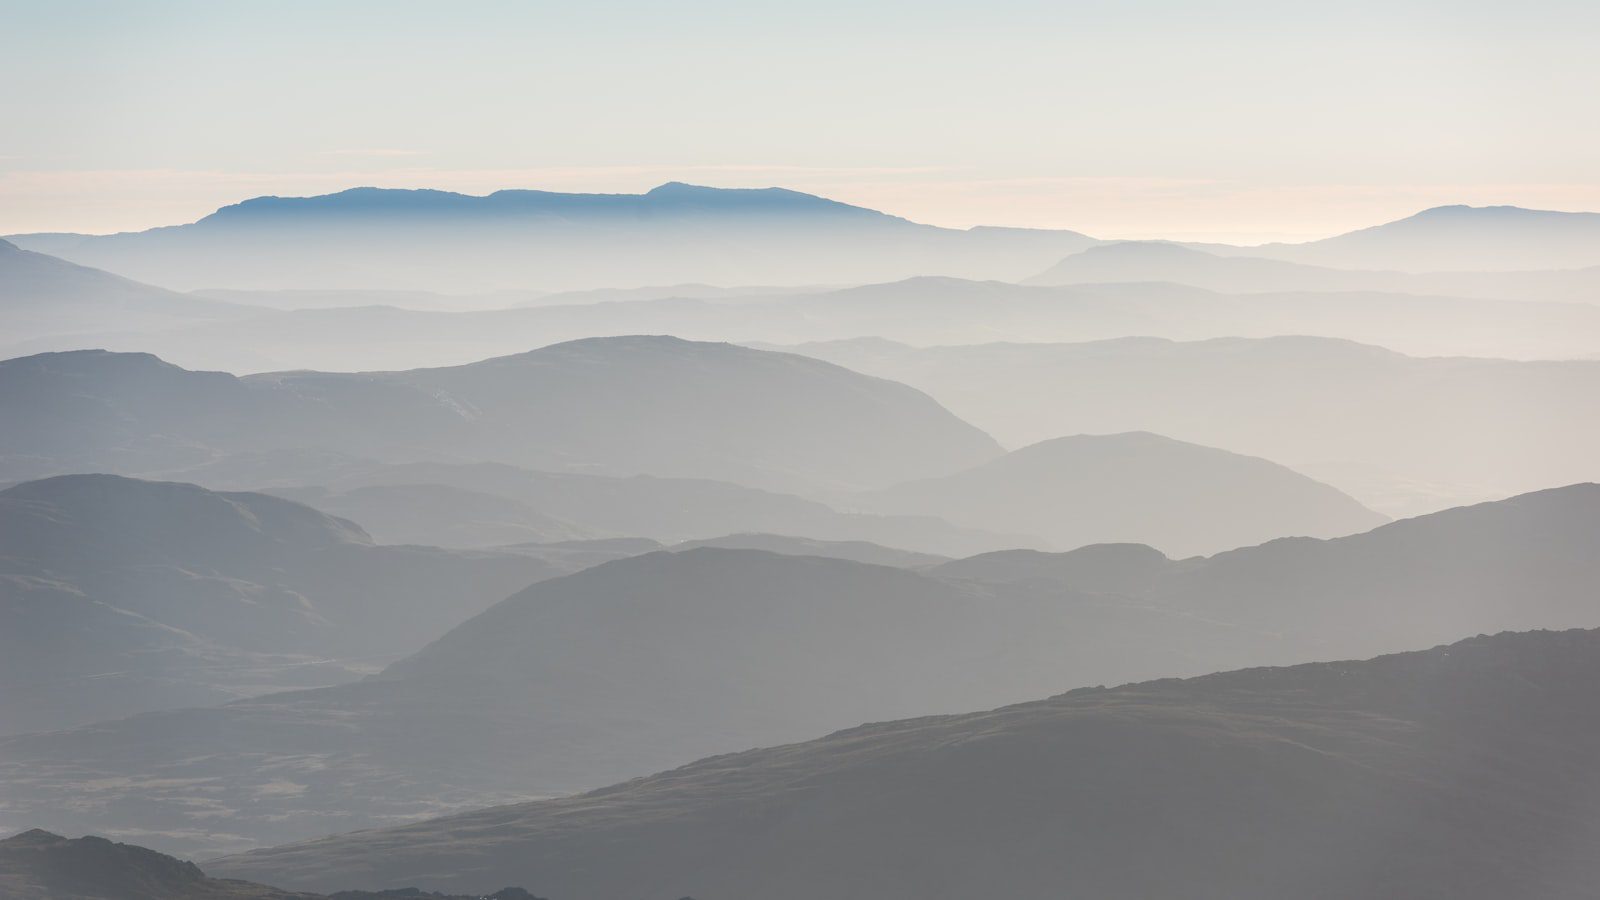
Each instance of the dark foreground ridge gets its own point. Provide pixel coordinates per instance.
(38, 865)
(1463, 772)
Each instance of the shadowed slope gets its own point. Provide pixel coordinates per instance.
(1459, 772)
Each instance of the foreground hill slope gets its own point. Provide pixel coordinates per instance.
(1181, 498)
(1459, 772)
(649, 662)
(625, 405)
(121, 596)
(38, 865)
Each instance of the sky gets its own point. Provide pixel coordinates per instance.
(1238, 121)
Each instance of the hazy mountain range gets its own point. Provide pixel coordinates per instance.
(1390, 429)
(1092, 290)
(1182, 498)
(918, 311)
(1521, 283)
(628, 405)
(643, 663)
(379, 239)
(1459, 772)
(420, 513)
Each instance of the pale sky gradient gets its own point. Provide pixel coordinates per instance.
(1235, 120)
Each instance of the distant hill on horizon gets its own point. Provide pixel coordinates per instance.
(376, 238)
(1183, 499)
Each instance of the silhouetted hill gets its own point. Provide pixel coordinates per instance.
(1150, 261)
(1302, 401)
(371, 238)
(122, 596)
(38, 865)
(1454, 238)
(625, 405)
(1458, 772)
(41, 295)
(648, 662)
(1183, 499)
(1402, 581)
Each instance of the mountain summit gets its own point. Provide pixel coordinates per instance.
(671, 200)
(1458, 238)
(379, 238)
